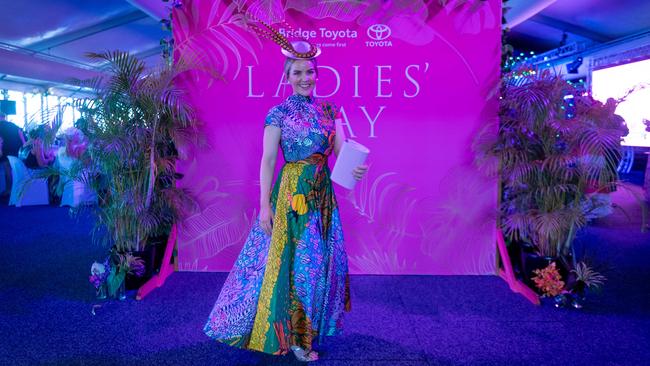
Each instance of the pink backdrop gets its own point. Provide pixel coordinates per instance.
(415, 96)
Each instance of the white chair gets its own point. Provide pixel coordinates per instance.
(74, 192)
(25, 190)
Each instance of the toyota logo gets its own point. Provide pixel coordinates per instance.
(378, 32)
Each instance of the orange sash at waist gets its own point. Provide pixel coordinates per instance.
(313, 159)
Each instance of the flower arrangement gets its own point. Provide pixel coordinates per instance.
(109, 276)
(99, 272)
(549, 280)
(76, 142)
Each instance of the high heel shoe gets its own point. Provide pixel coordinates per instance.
(304, 356)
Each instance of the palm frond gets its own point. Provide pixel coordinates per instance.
(588, 276)
(517, 226)
(548, 159)
(133, 124)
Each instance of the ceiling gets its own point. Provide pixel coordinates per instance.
(43, 42)
(590, 21)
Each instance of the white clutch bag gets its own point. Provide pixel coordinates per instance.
(352, 154)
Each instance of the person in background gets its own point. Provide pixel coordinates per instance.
(12, 140)
(39, 155)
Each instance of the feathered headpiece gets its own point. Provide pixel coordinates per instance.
(299, 49)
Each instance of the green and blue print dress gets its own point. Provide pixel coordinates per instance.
(290, 288)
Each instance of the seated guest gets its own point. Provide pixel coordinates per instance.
(73, 150)
(38, 156)
(75, 142)
(35, 153)
(12, 140)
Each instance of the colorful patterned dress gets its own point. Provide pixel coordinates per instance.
(290, 288)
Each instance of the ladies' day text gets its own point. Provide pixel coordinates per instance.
(383, 88)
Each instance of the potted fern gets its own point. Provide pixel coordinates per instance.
(555, 150)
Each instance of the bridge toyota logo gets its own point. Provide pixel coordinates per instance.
(379, 34)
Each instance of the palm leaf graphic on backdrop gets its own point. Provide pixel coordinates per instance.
(229, 32)
(269, 11)
(213, 230)
(343, 10)
(389, 207)
(408, 19)
(375, 260)
(464, 214)
(225, 29)
(366, 200)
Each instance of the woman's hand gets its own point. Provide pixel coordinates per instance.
(266, 219)
(359, 172)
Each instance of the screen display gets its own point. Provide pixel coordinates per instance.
(615, 82)
(8, 106)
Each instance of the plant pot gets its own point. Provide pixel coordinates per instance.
(121, 292)
(152, 256)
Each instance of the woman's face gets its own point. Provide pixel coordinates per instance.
(302, 77)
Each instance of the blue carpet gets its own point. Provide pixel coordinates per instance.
(46, 303)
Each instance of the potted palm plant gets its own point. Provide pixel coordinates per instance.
(136, 126)
(555, 150)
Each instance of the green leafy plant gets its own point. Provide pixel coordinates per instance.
(122, 264)
(587, 278)
(136, 126)
(553, 147)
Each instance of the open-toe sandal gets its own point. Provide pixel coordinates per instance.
(304, 356)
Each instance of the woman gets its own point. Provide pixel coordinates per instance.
(12, 140)
(289, 285)
(38, 155)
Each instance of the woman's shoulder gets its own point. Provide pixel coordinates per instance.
(281, 107)
(275, 116)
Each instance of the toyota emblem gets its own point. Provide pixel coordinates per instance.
(378, 32)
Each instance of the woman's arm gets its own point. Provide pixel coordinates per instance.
(267, 166)
(339, 138)
(45, 156)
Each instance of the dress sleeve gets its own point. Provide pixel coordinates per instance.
(274, 118)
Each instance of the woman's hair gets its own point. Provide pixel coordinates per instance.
(37, 132)
(289, 61)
